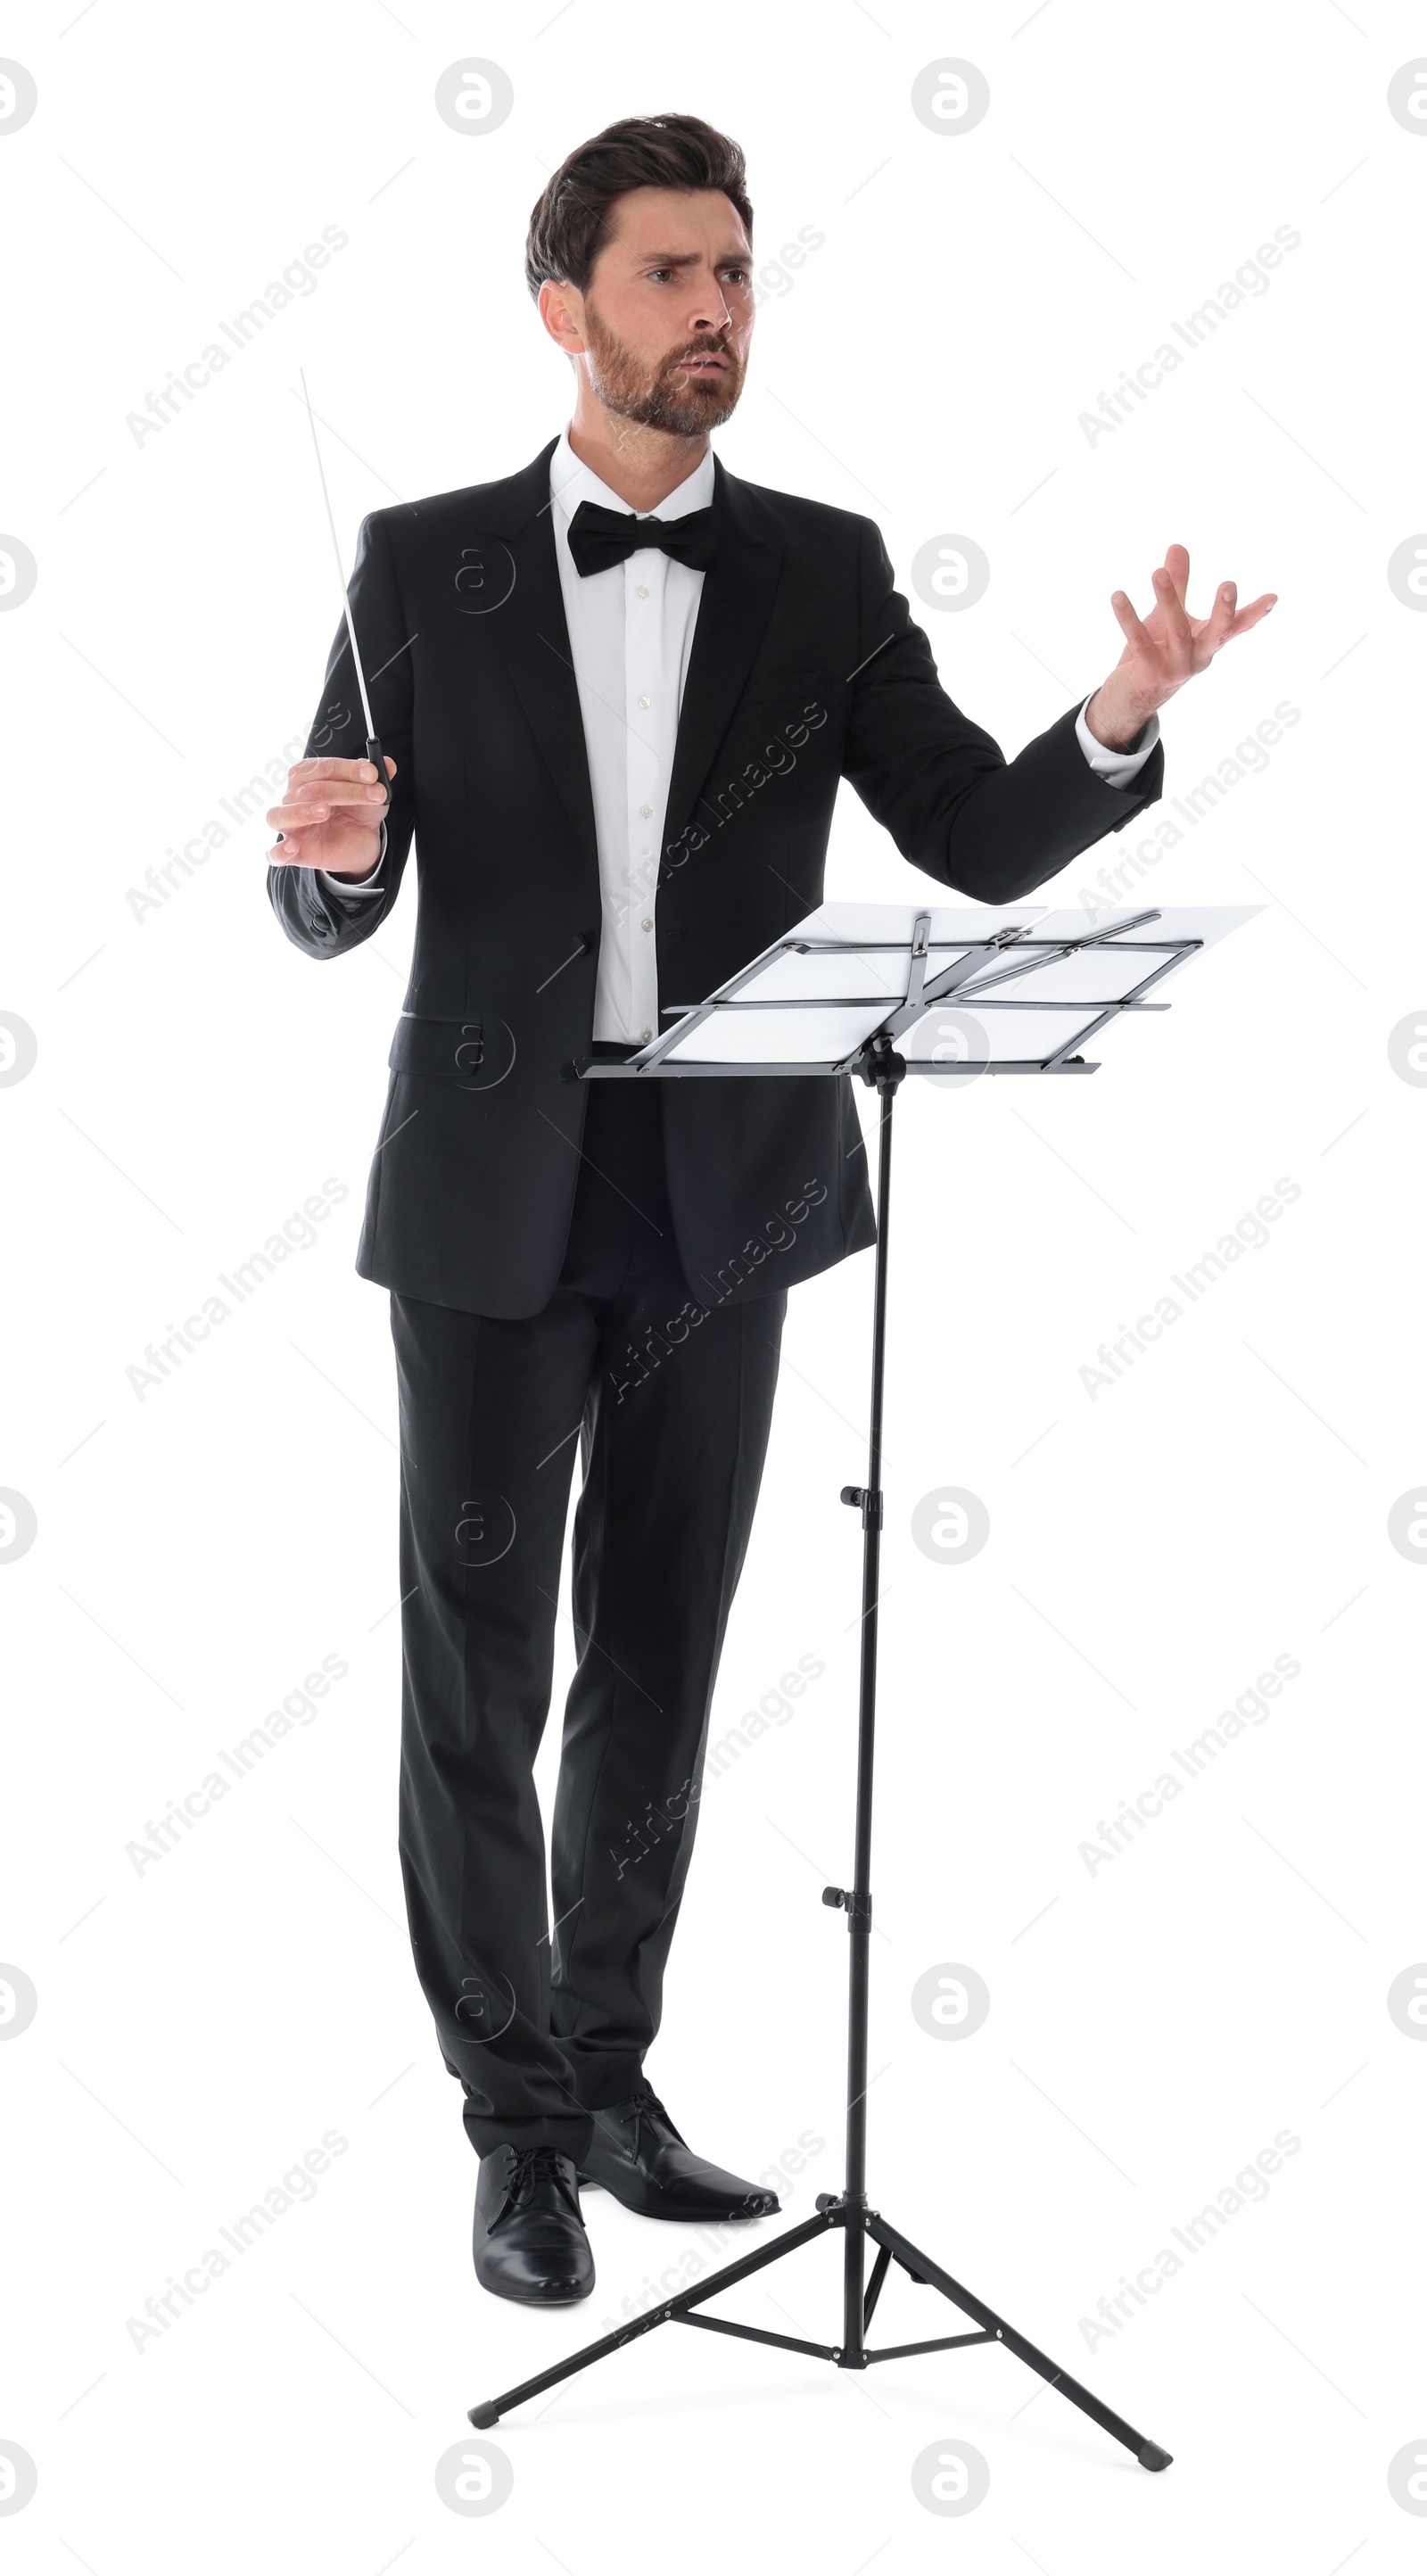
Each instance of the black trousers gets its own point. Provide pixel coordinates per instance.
(668, 1397)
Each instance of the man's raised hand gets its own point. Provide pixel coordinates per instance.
(1165, 649)
(330, 817)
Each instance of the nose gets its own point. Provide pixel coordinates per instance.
(712, 313)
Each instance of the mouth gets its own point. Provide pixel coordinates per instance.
(706, 363)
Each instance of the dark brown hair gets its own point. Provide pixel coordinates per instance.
(570, 222)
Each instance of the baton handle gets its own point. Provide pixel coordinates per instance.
(375, 755)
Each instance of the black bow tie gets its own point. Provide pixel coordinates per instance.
(599, 537)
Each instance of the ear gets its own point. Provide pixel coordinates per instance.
(562, 310)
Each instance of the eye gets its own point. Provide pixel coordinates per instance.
(657, 273)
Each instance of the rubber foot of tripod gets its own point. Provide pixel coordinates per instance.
(484, 2416)
(1152, 2457)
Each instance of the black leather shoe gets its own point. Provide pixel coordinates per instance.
(639, 2157)
(529, 2237)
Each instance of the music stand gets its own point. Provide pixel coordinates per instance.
(885, 991)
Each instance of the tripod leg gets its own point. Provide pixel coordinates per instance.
(874, 2287)
(1149, 2454)
(491, 2411)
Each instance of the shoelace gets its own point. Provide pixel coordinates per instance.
(529, 2166)
(645, 2106)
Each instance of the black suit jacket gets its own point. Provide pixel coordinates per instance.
(806, 668)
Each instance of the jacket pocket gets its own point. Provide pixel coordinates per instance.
(449, 1050)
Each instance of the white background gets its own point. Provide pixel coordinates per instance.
(1154, 2025)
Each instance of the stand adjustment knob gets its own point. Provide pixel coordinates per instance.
(861, 1498)
(879, 1065)
(834, 1896)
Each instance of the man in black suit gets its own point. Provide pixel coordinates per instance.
(618, 691)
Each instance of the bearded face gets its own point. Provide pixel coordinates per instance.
(695, 388)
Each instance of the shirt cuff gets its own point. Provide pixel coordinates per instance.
(1117, 767)
(345, 885)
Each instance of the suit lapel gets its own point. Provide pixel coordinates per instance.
(734, 608)
(535, 642)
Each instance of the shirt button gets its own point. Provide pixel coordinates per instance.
(645, 1036)
(646, 925)
(646, 811)
(643, 592)
(644, 702)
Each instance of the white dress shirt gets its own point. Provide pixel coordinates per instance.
(631, 633)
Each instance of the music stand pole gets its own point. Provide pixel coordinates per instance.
(886, 1074)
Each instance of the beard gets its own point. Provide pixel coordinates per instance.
(661, 396)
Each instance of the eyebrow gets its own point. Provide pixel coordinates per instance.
(690, 259)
